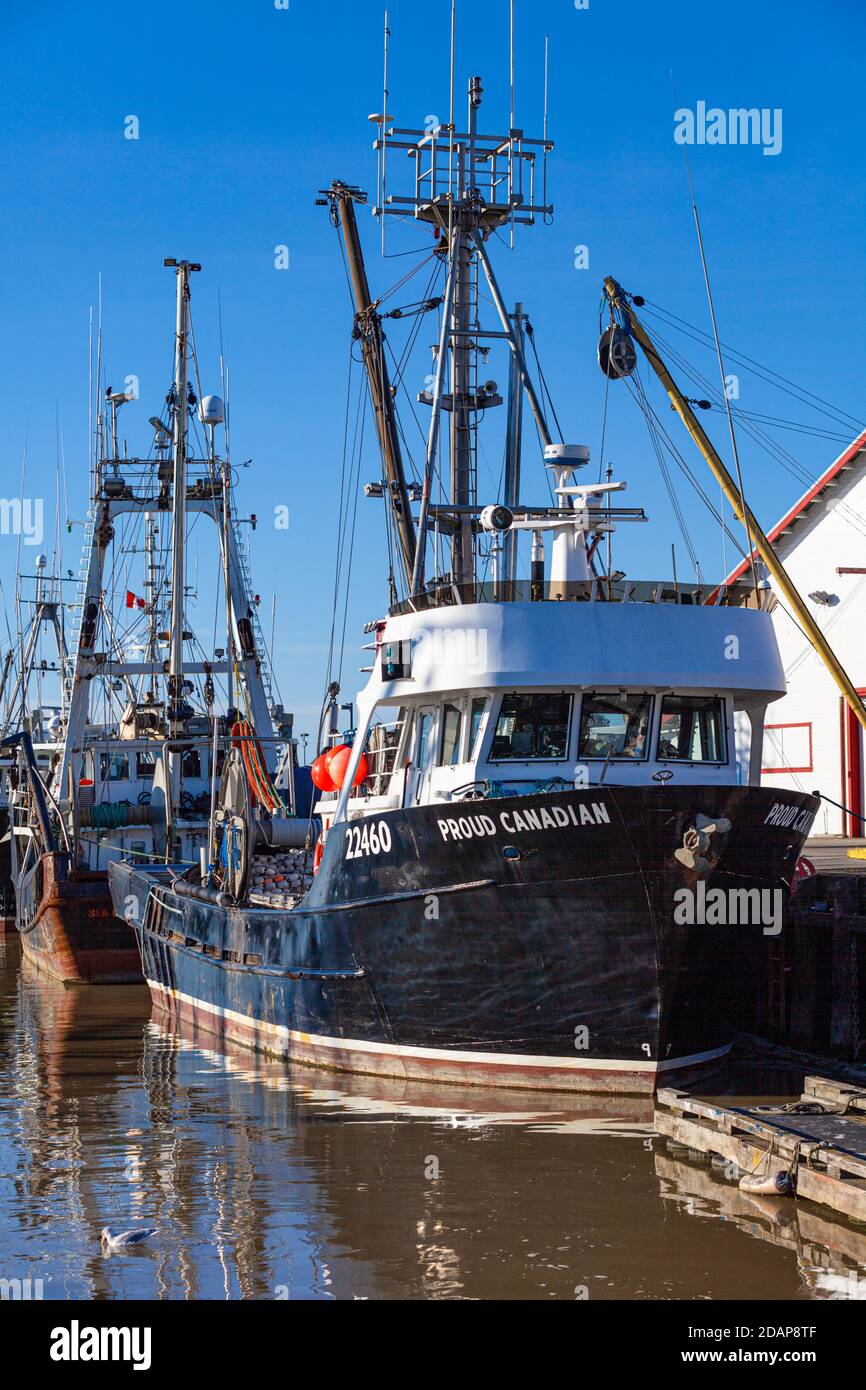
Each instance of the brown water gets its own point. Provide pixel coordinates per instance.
(270, 1182)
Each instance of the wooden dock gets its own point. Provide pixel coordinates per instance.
(836, 854)
(820, 1140)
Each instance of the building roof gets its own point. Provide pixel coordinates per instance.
(851, 458)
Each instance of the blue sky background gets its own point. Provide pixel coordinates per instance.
(246, 111)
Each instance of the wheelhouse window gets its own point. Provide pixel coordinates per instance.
(476, 714)
(396, 661)
(191, 763)
(114, 767)
(423, 734)
(531, 727)
(449, 743)
(614, 726)
(692, 729)
(145, 765)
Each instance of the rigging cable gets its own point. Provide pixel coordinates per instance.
(770, 446)
(732, 432)
(765, 373)
(338, 556)
(530, 333)
(678, 512)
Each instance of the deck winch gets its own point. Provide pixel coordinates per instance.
(248, 840)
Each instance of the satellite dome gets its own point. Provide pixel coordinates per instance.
(212, 410)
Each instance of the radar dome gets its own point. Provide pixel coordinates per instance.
(212, 411)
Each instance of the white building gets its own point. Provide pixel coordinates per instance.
(812, 740)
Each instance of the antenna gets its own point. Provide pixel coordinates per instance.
(511, 87)
(546, 76)
(731, 430)
(466, 189)
(511, 58)
(494, 173)
(98, 452)
(451, 86)
(384, 151)
(89, 403)
(451, 118)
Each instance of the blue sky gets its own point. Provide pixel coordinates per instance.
(246, 111)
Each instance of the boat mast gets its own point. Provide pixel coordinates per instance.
(467, 185)
(462, 357)
(151, 592)
(619, 300)
(178, 711)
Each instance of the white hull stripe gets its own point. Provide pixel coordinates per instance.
(279, 1031)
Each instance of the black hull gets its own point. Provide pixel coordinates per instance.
(488, 951)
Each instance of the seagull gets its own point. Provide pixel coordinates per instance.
(122, 1239)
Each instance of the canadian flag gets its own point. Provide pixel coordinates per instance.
(133, 601)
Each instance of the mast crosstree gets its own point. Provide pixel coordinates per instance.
(467, 184)
(182, 486)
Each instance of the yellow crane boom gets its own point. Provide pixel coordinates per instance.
(619, 300)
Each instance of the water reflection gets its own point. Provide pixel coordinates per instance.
(830, 1254)
(269, 1182)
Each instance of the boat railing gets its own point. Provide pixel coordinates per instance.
(140, 479)
(383, 743)
(444, 594)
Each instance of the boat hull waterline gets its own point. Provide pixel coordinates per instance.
(68, 927)
(524, 941)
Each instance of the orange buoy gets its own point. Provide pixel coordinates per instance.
(320, 776)
(330, 754)
(317, 854)
(339, 763)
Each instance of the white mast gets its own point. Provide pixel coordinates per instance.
(177, 710)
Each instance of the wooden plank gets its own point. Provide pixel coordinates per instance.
(745, 1154)
(847, 1196)
(737, 1122)
(841, 1093)
(682, 1103)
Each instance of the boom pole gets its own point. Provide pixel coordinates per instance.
(618, 300)
(372, 339)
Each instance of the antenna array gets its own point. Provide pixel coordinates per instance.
(497, 173)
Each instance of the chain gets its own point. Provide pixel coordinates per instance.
(855, 998)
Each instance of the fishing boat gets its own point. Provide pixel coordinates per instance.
(33, 670)
(541, 773)
(138, 743)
